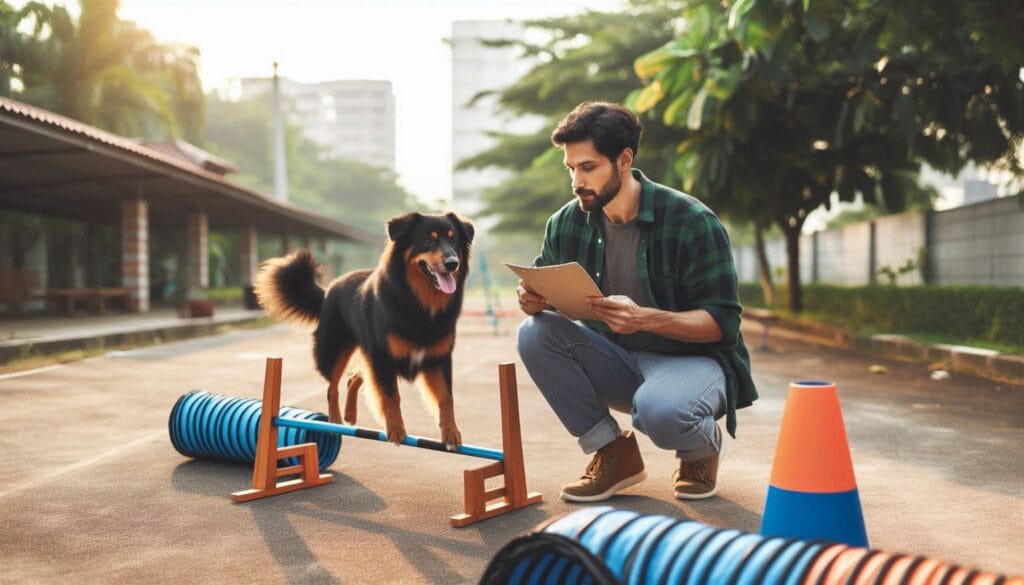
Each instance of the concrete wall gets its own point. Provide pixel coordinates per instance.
(981, 244)
(898, 238)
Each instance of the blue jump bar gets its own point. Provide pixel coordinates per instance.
(362, 433)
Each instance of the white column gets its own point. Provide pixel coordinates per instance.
(135, 253)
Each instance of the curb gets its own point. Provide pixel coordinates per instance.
(198, 327)
(987, 363)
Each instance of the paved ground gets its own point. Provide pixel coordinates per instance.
(91, 490)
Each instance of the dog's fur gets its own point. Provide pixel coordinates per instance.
(400, 317)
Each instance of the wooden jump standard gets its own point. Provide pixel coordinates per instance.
(480, 504)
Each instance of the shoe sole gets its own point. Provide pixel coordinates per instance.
(706, 495)
(629, 481)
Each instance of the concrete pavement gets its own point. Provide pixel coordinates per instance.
(92, 491)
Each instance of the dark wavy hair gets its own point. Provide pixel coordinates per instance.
(610, 126)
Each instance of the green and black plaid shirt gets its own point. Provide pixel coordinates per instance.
(685, 263)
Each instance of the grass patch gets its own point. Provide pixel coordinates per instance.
(862, 329)
(932, 338)
(32, 362)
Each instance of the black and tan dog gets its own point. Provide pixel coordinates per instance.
(400, 317)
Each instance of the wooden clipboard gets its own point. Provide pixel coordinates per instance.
(565, 286)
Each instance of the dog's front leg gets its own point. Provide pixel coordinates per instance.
(436, 384)
(384, 387)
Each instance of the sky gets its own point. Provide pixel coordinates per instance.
(319, 40)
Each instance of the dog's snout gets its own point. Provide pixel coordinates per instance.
(451, 264)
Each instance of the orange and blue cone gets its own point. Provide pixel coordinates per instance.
(812, 493)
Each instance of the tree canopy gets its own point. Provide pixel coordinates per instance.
(100, 69)
(776, 104)
(353, 192)
(585, 57)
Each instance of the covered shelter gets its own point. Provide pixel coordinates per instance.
(54, 167)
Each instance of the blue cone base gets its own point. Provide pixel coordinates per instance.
(836, 517)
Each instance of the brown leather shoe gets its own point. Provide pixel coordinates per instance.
(696, 480)
(615, 466)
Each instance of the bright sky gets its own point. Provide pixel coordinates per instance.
(319, 40)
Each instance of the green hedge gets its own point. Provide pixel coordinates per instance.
(994, 314)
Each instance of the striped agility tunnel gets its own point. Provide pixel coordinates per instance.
(602, 545)
(812, 492)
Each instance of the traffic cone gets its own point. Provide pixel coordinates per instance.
(812, 493)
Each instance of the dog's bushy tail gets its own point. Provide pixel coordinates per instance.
(287, 288)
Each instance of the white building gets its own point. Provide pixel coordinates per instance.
(352, 119)
(477, 68)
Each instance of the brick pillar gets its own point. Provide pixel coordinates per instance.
(94, 256)
(286, 244)
(197, 255)
(135, 253)
(307, 243)
(249, 248)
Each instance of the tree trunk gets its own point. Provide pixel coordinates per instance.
(793, 262)
(764, 271)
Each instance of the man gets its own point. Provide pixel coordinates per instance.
(667, 348)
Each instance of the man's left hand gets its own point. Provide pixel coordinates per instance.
(619, 312)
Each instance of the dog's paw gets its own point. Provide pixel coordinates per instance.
(452, 438)
(350, 416)
(396, 434)
(334, 416)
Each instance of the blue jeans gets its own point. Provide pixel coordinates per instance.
(674, 400)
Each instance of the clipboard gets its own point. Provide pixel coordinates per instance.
(565, 286)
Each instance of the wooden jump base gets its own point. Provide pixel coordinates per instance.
(480, 504)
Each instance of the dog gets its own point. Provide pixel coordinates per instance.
(399, 317)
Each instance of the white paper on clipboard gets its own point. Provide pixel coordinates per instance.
(565, 286)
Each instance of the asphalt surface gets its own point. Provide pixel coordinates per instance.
(91, 490)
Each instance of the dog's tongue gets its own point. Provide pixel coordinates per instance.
(446, 282)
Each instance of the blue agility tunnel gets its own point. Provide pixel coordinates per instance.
(224, 428)
(601, 545)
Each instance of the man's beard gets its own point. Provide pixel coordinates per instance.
(599, 200)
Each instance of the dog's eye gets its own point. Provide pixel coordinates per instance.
(429, 240)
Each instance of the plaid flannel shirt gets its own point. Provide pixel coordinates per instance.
(685, 263)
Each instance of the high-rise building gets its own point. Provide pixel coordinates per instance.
(352, 119)
(477, 68)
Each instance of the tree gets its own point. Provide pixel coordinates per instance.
(586, 57)
(108, 72)
(18, 49)
(353, 192)
(778, 103)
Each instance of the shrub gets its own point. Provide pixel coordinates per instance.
(994, 314)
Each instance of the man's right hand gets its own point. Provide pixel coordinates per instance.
(529, 301)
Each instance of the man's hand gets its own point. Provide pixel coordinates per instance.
(619, 312)
(529, 301)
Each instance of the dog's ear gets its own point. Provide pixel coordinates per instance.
(401, 224)
(465, 228)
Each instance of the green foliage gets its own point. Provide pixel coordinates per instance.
(101, 70)
(350, 191)
(778, 104)
(992, 314)
(225, 294)
(586, 57)
(891, 274)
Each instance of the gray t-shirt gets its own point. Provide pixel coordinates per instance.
(622, 277)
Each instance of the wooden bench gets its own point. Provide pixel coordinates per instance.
(765, 317)
(63, 300)
(16, 288)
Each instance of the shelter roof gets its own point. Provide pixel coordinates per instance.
(56, 166)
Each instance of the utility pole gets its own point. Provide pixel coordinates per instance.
(280, 164)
